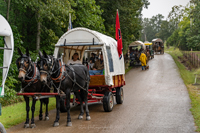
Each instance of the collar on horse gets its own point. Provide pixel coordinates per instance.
(61, 75)
(34, 79)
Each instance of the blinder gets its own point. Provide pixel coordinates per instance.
(49, 63)
(22, 59)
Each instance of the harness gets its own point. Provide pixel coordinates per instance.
(74, 80)
(61, 76)
(31, 80)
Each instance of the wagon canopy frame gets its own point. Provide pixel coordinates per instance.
(82, 39)
(137, 43)
(6, 32)
(147, 43)
(157, 40)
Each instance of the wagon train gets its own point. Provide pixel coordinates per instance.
(158, 46)
(102, 87)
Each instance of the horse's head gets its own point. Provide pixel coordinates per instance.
(23, 64)
(45, 66)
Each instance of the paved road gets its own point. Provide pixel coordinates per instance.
(156, 101)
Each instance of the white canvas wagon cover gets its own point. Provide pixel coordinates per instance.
(83, 38)
(6, 32)
(137, 43)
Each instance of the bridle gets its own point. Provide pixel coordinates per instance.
(26, 70)
(51, 65)
(31, 68)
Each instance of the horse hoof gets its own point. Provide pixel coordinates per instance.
(26, 125)
(46, 118)
(80, 117)
(88, 118)
(33, 125)
(69, 124)
(56, 124)
(40, 118)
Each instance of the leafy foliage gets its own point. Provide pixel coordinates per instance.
(129, 16)
(188, 27)
(181, 29)
(152, 27)
(47, 20)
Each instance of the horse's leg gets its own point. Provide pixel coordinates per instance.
(33, 110)
(85, 94)
(46, 113)
(40, 115)
(56, 123)
(81, 103)
(69, 123)
(26, 124)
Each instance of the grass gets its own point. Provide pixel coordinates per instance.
(16, 113)
(188, 78)
(129, 68)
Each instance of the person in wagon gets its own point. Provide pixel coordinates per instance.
(74, 60)
(98, 67)
(92, 61)
(143, 60)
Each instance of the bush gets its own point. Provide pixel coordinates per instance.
(10, 97)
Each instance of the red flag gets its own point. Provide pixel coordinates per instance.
(118, 36)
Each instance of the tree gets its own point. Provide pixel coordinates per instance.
(55, 12)
(164, 32)
(129, 12)
(88, 14)
(151, 27)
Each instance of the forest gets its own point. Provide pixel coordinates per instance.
(38, 24)
(180, 29)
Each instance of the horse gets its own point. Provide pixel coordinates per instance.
(29, 77)
(65, 79)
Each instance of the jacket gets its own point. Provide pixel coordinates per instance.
(99, 65)
(143, 59)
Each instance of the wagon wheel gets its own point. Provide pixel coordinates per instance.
(119, 95)
(2, 129)
(63, 107)
(108, 102)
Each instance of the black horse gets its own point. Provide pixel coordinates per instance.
(29, 76)
(65, 78)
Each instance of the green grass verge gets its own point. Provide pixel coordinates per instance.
(129, 68)
(16, 113)
(188, 78)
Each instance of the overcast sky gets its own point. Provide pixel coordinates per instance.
(162, 7)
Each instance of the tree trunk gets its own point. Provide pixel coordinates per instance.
(38, 33)
(8, 9)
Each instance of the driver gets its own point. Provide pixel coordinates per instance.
(74, 60)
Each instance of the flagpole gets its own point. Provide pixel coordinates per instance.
(70, 23)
